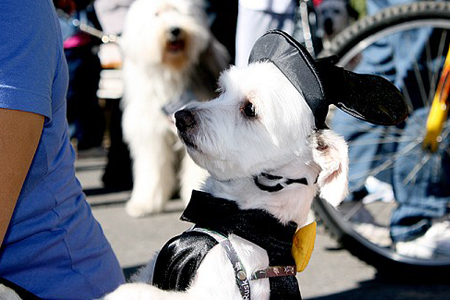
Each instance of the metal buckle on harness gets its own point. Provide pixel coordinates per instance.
(239, 270)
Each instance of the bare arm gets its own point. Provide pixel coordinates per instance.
(19, 136)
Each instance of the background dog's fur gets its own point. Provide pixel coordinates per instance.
(334, 16)
(233, 147)
(156, 72)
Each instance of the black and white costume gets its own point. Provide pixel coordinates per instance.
(180, 258)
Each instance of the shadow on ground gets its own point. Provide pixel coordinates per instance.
(381, 289)
(376, 289)
(128, 272)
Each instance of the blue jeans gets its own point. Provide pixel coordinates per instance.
(84, 114)
(428, 195)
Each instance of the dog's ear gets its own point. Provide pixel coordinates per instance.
(213, 60)
(330, 152)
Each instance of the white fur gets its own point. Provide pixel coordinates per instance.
(155, 76)
(280, 140)
(7, 294)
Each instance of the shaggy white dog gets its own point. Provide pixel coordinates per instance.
(170, 58)
(260, 123)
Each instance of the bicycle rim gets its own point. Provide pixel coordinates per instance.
(363, 227)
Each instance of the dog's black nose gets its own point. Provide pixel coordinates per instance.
(184, 119)
(175, 31)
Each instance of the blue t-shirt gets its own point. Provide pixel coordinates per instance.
(53, 247)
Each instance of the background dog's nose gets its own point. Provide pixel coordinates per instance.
(184, 119)
(175, 31)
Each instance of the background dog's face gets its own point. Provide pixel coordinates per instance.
(258, 123)
(334, 16)
(173, 32)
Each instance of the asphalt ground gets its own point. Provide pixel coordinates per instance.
(331, 275)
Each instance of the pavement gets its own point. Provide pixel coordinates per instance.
(332, 274)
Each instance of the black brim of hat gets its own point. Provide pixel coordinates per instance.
(367, 97)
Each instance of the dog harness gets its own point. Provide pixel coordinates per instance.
(215, 219)
(242, 279)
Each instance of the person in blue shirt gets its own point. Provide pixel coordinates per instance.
(51, 245)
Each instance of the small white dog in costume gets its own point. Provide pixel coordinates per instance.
(265, 143)
(170, 58)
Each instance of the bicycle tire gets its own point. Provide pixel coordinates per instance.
(369, 25)
(346, 45)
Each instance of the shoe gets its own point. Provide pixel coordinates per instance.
(374, 233)
(435, 243)
(378, 191)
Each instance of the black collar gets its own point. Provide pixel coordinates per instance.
(273, 183)
(254, 225)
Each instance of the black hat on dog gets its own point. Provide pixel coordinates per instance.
(367, 97)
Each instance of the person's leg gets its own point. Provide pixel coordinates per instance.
(422, 193)
(118, 173)
(84, 114)
(252, 24)
(369, 145)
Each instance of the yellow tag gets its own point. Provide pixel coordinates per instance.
(303, 245)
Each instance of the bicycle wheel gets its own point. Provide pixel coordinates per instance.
(362, 223)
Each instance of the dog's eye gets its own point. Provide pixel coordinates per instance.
(249, 110)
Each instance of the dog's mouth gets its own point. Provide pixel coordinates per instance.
(186, 138)
(186, 123)
(328, 26)
(175, 46)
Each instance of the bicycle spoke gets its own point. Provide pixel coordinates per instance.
(381, 140)
(431, 71)
(407, 96)
(389, 162)
(363, 128)
(382, 157)
(437, 66)
(361, 176)
(420, 82)
(417, 169)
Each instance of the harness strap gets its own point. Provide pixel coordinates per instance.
(239, 271)
(274, 272)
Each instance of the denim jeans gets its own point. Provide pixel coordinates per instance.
(427, 195)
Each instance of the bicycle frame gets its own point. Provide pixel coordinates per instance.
(439, 109)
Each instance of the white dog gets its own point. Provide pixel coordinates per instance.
(170, 58)
(267, 149)
(334, 16)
